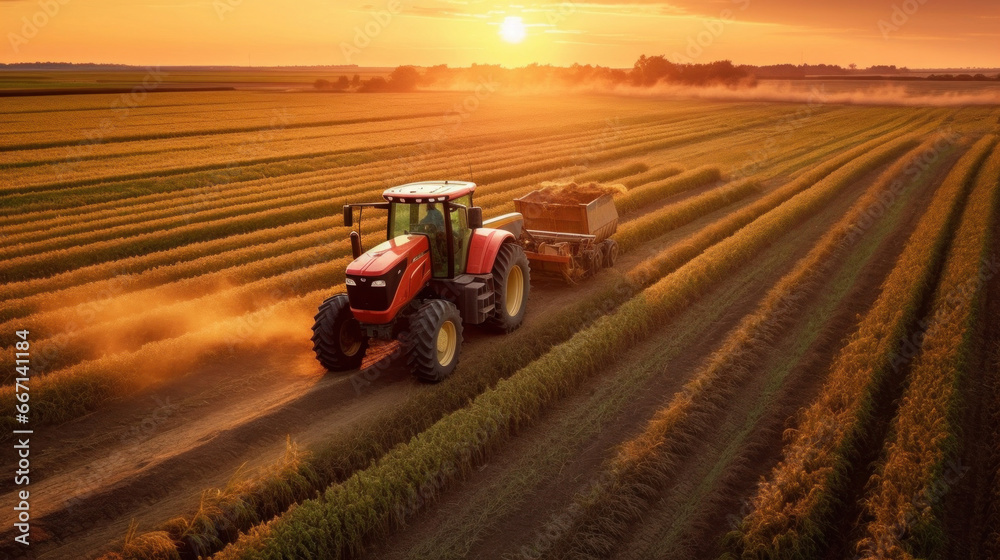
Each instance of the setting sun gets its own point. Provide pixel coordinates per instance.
(512, 29)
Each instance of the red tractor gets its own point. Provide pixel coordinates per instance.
(440, 268)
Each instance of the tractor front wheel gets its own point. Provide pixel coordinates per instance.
(512, 281)
(338, 341)
(434, 340)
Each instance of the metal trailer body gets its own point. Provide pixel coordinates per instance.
(568, 240)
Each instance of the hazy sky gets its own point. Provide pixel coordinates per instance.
(914, 33)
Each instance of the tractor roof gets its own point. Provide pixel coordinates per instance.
(429, 191)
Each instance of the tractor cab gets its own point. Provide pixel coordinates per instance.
(439, 210)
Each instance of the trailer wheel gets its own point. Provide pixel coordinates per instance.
(512, 281)
(609, 248)
(337, 338)
(435, 340)
(592, 259)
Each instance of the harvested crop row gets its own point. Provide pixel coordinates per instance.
(19, 222)
(406, 157)
(275, 189)
(295, 243)
(32, 266)
(647, 194)
(399, 484)
(305, 270)
(790, 510)
(341, 458)
(214, 206)
(645, 463)
(903, 502)
(190, 280)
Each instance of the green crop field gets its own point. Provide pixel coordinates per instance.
(797, 354)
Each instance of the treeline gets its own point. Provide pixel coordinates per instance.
(648, 71)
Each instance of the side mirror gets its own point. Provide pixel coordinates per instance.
(476, 217)
(348, 216)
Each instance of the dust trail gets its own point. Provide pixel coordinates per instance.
(817, 92)
(843, 92)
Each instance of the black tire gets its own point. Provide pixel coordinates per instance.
(593, 259)
(609, 248)
(435, 322)
(338, 341)
(511, 263)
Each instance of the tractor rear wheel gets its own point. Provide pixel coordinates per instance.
(434, 341)
(512, 282)
(337, 338)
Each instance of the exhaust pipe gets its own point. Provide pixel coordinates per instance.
(355, 244)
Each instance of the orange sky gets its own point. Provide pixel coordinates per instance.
(935, 33)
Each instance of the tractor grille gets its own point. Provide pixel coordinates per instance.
(364, 296)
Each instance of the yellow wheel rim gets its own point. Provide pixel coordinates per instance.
(447, 343)
(350, 342)
(515, 291)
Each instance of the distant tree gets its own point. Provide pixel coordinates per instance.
(343, 83)
(647, 71)
(321, 84)
(374, 85)
(356, 81)
(852, 66)
(404, 78)
(439, 74)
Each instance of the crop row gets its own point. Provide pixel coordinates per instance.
(251, 287)
(501, 146)
(408, 476)
(904, 501)
(409, 155)
(791, 508)
(645, 463)
(268, 242)
(220, 205)
(227, 203)
(502, 155)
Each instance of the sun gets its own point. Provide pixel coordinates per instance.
(512, 29)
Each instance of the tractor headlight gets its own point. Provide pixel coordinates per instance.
(350, 282)
(378, 284)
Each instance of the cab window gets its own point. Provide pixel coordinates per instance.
(461, 234)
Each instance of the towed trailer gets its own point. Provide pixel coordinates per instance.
(568, 239)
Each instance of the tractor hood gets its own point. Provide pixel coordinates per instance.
(382, 258)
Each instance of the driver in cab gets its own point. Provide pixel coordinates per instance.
(433, 220)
